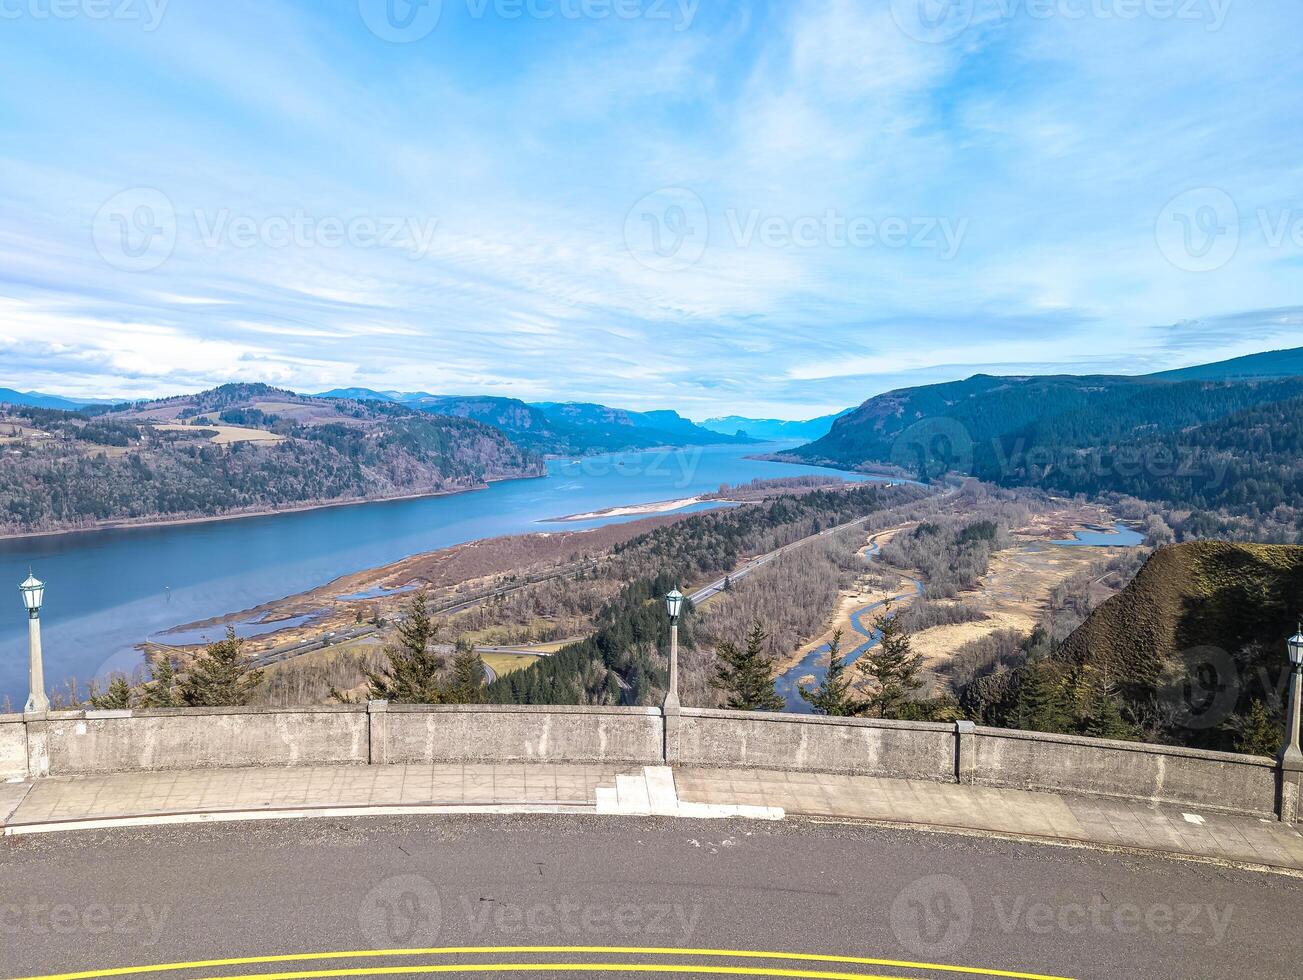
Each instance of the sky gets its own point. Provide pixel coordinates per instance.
(767, 209)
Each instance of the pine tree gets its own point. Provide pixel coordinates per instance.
(117, 697)
(1258, 734)
(220, 676)
(891, 668)
(1041, 706)
(1103, 712)
(833, 697)
(747, 676)
(161, 691)
(413, 674)
(467, 675)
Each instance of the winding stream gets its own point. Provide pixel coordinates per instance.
(815, 663)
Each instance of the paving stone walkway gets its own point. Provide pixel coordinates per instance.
(66, 802)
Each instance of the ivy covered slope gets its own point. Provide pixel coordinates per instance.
(240, 448)
(1190, 652)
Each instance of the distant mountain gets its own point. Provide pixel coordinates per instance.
(1187, 647)
(774, 429)
(1268, 364)
(1235, 445)
(361, 395)
(35, 399)
(237, 449)
(611, 429)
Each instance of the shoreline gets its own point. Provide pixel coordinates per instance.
(128, 525)
(633, 510)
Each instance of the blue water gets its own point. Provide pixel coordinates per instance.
(815, 663)
(1120, 537)
(109, 590)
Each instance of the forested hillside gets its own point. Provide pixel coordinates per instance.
(1204, 445)
(234, 449)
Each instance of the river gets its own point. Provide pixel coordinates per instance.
(109, 590)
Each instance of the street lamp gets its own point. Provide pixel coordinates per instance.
(1291, 756)
(674, 606)
(33, 592)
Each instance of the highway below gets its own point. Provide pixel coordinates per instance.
(553, 895)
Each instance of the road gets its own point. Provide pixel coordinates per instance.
(718, 586)
(651, 887)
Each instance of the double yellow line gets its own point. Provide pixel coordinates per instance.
(591, 967)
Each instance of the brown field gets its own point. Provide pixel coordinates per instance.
(228, 434)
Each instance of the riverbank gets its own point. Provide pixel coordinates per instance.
(148, 523)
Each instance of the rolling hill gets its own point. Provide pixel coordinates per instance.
(237, 449)
(1268, 364)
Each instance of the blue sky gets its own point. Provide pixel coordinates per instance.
(754, 208)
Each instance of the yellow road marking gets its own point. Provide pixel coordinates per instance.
(748, 971)
(500, 950)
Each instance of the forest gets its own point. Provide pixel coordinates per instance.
(66, 470)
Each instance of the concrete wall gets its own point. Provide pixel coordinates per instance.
(511, 733)
(905, 750)
(13, 747)
(1129, 770)
(123, 741)
(204, 738)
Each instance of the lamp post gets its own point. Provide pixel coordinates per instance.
(33, 592)
(1290, 752)
(674, 605)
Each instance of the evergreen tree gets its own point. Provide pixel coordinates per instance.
(891, 669)
(1258, 733)
(747, 676)
(220, 676)
(467, 675)
(1041, 705)
(413, 674)
(833, 697)
(1103, 713)
(161, 691)
(117, 697)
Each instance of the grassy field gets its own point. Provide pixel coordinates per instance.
(508, 663)
(229, 434)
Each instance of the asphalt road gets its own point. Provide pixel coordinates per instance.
(652, 887)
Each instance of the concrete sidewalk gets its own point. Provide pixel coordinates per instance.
(71, 802)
